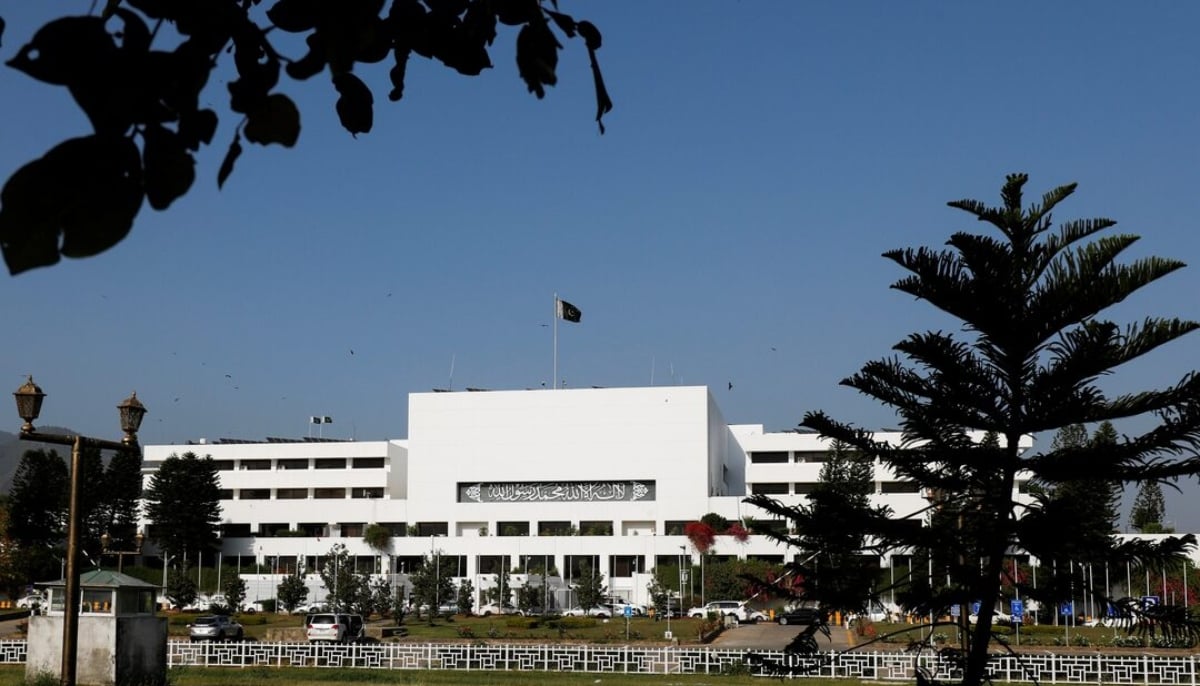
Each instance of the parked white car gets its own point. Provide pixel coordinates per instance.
(728, 608)
(33, 601)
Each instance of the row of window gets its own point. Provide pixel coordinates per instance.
(673, 527)
(573, 566)
(804, 488)
(786, 456)
(301, 493)
(300, 463)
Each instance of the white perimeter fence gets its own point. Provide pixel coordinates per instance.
(1048, 668)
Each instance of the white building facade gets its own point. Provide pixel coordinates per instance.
(539, 479)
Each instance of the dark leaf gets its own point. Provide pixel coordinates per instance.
(156, 9)
(313, 61)
(109, 7)
(355, 107)
(197, 127)
(564, 23)
(396, 74)
(275, 120)
(135, 35)
(66, 51)
(591, 35)
(373, 41)
(235, 151)
(604, 103)
(86, 190)
(537, 57)
(517, 12)
(294, 16)
(169, 167)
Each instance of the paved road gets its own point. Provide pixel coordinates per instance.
(771, 636)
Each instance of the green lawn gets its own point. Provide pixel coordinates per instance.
(641, 629)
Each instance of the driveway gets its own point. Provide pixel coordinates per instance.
(772, 636)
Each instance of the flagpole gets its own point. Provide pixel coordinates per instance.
(554, 379)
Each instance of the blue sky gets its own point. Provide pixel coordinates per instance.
(727, 229)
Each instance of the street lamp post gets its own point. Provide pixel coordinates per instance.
(106, 542)
(29, 405)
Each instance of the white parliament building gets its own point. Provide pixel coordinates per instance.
(530, 479)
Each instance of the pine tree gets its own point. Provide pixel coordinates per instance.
(1149, 509)
(183, 504)
(1023, 357)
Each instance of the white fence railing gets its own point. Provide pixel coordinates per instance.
(1047, 668)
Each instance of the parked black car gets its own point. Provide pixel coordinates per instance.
(797, 615)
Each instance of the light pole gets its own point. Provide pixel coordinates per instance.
(682, 552)
(29, 405)
(106, 543)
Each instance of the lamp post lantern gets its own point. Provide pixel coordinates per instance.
(29, 399)
(106, 548)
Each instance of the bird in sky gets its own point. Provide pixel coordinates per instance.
(730, 386)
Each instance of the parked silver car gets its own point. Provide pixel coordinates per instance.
(215, 628)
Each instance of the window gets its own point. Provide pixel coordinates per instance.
(778, 526)
(223, 465)
(225, 494)
(354, 530)
(255, 465)
(291, 464)
(513, 528)
(625, 565)
(674, 527)
(1023, 486)
(433, 529)
(900, 487)
(360, 492)
(368, 463)
(556, 529)
(596, 528)
(396, 528)
(272, 530)
(235, 531)
(254, 494)
(805, 488)
(769, 488)
(314, 529)
(291, 493)
(812, 456)
(769, 457)
(331, 463)
(329, 493)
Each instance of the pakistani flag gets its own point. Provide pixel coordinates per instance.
(569, 312)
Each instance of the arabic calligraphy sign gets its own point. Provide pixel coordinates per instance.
(555, 491)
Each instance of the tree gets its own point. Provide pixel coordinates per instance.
(530, 595)
(500, 594)
(432, 585)
(93, 502)
(37, 499)
(122, 498)
(832, 565)
(383, 599)
(1149, 509)
(292, 592)
(81, 198)
(183, 504)
(466, 598)
(343, 585)
(181, 589)
(1023, 358)
(589, 586)
(235, 592)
